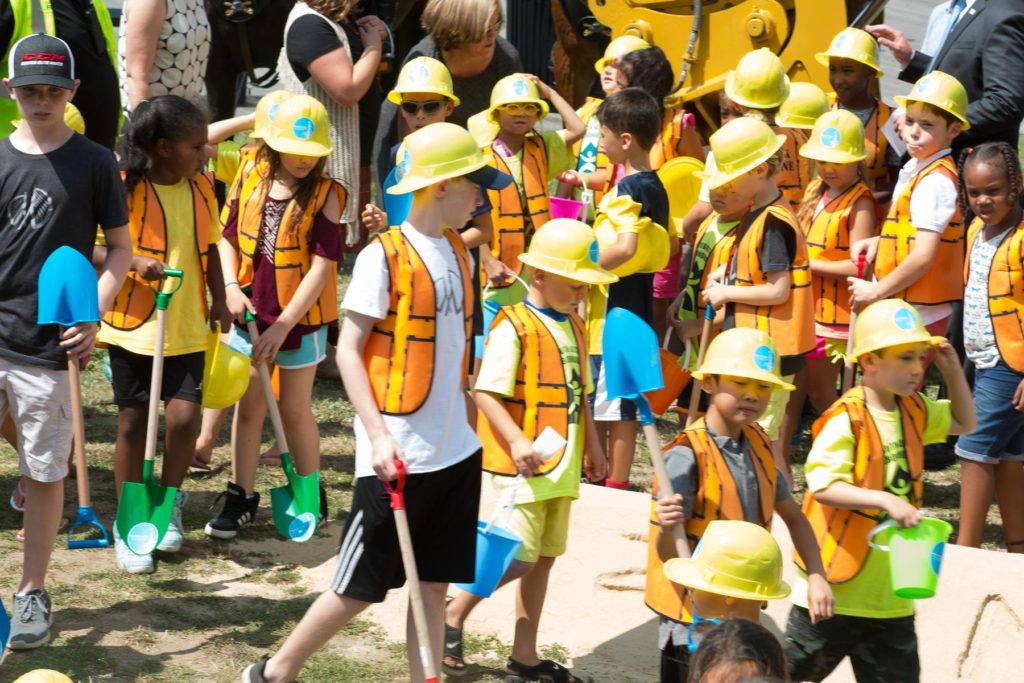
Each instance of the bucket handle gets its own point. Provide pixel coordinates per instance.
(586, 194)
(888, 524)
(688, 348)
(548, 444)
(520, 280)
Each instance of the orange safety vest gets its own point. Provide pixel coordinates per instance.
(842, 535)
(1005, 292)
(542, 395)
(514, 224)
(938, 285)
(292, 257)
(795, 172)
(246, 165)
(875, 142)
(666, 147)
(147, 224)
(828, 239)
(399, 354)
(719, 256)
(791, 323)
(717, 498)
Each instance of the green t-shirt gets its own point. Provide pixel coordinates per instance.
(558, 153)
(497, 375)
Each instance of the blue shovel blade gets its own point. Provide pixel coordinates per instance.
(5, 626)
(632, 362)
(67, 289)
(396, 206)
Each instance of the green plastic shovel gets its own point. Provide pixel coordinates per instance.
(144, 511)
(296, 505)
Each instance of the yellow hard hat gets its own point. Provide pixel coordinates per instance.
(622, 45)
(43, 676)
(759, 81)
(852, 43)
(300, 127)
(266, 112)
(562, 246)
(806, 102)
(740, 146)
(72, 117)
(939, 90)
(441, 151)
(423, 75)
(743, 352)
(679, 176)
(733, 558)
(652, 242)
(838, 138)
(886, 323)
(515, 89)
(225, 373)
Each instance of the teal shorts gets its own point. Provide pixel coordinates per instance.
(311, 351)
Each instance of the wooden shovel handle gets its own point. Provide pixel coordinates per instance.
(419, 615)
(78, 431)
(705, 337)
(665, 489)
(268, 391)
(156, 383)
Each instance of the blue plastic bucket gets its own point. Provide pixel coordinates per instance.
(495, 550)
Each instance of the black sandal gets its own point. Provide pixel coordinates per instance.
(546, 671)
(453, 651)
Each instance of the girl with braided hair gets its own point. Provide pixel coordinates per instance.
(992, 457)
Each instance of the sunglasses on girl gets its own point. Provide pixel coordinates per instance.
(429, 107)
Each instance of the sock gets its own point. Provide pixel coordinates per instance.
(613, 484)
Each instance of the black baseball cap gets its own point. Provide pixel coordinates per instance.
(40, 59)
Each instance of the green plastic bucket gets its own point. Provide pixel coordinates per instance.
(915, 555)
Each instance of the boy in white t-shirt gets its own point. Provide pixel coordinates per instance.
(403, 356)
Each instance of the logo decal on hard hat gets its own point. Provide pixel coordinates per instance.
(840, 42)
(904, 319)
(303, 128)
(403, 165)
(520, 88)
(831, 137)
(764, 358)
(272, 112)
(927, 85)
(420, 74)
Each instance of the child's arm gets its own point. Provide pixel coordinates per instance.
(235, 299)
(960, 400)
(595, 465)
(520, 447)
(219, 131)
(320, 272)
(495, 269)
(862, 226)
(913, 268)
(820, 602)
(219, 312)
(693, 219)
(479, 233)
(621, 251)
(840, 494)
(79, 338)
(669, 512)
(374, 218)
(574, 126)
(775, 292)
(140, 47)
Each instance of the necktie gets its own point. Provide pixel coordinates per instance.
(955, 10)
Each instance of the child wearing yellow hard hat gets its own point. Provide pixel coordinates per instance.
(805, 103)
(922, 239)
(721, 467)
(853, 73)
(403, 356)
(765, 282)
(228, 157)
(866, 465)
(279, 252)
(538, 343)
(837, 211)
(633, 244)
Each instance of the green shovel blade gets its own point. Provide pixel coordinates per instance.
(296, 506)
(144, 512)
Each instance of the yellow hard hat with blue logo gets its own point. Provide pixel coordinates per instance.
(759, 81)
(515, 89)
(743, 352)
(300, 127)
(562, 247)
(441, 151)
(852, 43)
(887, 323)
(622, 45)
(838, 138)
(806, 102)
(740, 146)
(939, 90)
(266, 112)
(423, 75)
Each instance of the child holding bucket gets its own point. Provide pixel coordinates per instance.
(172, 214)
(865, 466)
(990, 457)
(721, 467)
(535, 376)
(633, 244)
(421, 421)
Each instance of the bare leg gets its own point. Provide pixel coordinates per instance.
(459, 609)
(433, 606)
(622, 447)
(297, 414)
(660, 310)
(529, 604)
(43, 505)
(183, 420)
(822, 375)
(977, 485)
(213, 420)
(1010, 496)
(247, 434)
(130, 445)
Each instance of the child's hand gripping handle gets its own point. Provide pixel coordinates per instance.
(848, 362)
(705, 337)
(396, 489)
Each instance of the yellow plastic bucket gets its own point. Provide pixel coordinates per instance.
(915, 555)
(225, 373)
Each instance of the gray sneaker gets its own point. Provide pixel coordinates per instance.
(30, 623)
(174, 536)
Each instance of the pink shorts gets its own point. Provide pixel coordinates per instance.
(666, 280)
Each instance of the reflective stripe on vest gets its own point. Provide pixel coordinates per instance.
(791, 323)
(1005, 292)
(842, 535)
(515, 224)
(147, 224)
(828, 239)
(292, 256)
(542, 395)
(795, 171)
(399, 354)
(898, 238)
(717, 498)
(875, 142)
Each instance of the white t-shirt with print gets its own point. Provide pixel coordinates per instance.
(437, 435)
(979, 337)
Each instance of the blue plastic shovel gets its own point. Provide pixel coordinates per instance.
(68, 296)
(5, 627)
(396, 206)
(632, 364)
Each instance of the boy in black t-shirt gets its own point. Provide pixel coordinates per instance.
(55, 188)
(633, 214)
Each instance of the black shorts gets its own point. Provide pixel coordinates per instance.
(442, 509)
(131, 374)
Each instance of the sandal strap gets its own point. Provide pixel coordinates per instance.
(453, 642)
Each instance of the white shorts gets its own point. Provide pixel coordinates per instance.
(39, 402)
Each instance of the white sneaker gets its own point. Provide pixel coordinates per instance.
(129, 561)
(174, 537)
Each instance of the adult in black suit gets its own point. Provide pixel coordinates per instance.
(985, 52)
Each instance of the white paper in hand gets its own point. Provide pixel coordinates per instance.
(889, 131)
(548, 443)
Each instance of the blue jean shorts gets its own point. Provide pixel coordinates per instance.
(311, 351)
(1000, 432)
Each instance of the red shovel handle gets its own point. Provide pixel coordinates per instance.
(862, 261)
(395, 489)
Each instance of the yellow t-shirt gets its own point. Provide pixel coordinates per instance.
(498, 376)
(869, 594)
(187, 327)
(559, 157)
